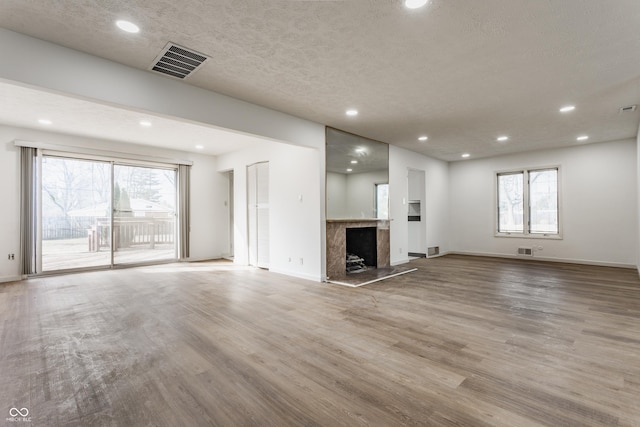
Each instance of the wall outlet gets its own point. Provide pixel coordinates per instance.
(11, 257)
(301, 261)
(289, 259)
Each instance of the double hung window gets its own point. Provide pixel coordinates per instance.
(528, 203)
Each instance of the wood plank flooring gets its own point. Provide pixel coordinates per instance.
(464, 341)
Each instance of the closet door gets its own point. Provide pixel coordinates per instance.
(258, 215)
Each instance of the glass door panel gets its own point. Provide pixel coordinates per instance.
(76, 213)
(144, 214)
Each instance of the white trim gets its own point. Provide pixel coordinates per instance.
(546, 259)
(290, 273)
(402, 261)
(101, 153)
(6, 279)
(335, 282)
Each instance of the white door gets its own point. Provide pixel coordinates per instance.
(258, 215)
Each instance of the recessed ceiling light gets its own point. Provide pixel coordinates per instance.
(567, 108)
(145, 123)
(465, 155)
(582, 138)
(360, 150)
(349, 170)
(352, 113)
(127, 26)
(354, 162)
(423, 138)
(45, 121)
(414, 4)
(502, 138)
(200, 147)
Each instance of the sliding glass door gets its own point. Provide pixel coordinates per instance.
(75, 213)
(144, 214)
(103, 213)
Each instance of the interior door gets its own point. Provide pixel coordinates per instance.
(258, 214)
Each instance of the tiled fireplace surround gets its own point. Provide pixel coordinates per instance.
(337, 243)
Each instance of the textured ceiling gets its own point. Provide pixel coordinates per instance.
(460, 71)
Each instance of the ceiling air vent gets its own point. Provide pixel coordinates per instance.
(177, 61)
(628, 109)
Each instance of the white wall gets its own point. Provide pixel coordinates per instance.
(337, 195)
(436, 201)
(598, 204)
(361, 193)
(353, 195)
(208, 189)
(638, 199)
(296, 226)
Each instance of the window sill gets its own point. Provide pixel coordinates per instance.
(530, 236)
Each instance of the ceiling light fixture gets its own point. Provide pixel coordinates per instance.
(502, 138)
(414, 4)
(200, 147)
(45, 121)
(354, 162)
(349, 170)
(465, 155)
(360, 150)
(567, 108)
(145, 123)
(582, 138)
(423, 138)
(352, 113)
(127, 26)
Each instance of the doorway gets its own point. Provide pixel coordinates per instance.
(416, 221)
(258, 214)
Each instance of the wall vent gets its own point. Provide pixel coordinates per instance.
(628, 109)
(433, 251)
(177, 61)
(525, 251)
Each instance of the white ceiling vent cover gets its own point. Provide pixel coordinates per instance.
(177, 61)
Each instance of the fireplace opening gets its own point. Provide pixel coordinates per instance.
(362, 251)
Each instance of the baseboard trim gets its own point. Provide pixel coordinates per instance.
(296, 274)
(5, 279)
(546, 259)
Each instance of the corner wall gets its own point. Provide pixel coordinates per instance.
(436, 201)
(296, 214)
(598, 205)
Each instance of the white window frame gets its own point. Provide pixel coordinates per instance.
(526, 211)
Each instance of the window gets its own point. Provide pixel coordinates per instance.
(528, 202)
(382, 201)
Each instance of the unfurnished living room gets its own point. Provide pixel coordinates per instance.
(331, 213)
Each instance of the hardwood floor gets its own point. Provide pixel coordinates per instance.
(462, 341)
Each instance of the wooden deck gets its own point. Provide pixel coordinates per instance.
(75, 253)
(462, 341)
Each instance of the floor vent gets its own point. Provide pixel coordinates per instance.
(525, 251)
(628, 109)
(433, 251)
(177, 61)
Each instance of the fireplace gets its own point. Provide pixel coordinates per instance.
(361, 246)
(368, 238)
